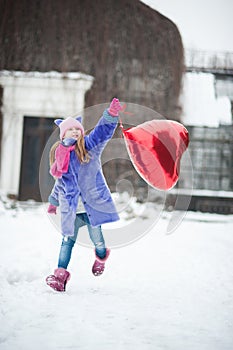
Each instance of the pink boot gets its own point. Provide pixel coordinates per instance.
(99, 264)
(58, 280)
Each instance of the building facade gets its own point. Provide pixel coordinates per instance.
(207, 100)
(131, 51)
(30, 103)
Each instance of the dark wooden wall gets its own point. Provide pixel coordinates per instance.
(134, 52)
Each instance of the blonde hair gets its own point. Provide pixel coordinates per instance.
(80, 151)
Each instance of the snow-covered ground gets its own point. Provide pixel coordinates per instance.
(163, 292)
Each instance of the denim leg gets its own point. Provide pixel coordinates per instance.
(97, 238)
(65, 252)
(68, 243)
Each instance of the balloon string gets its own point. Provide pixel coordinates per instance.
(123, 110)
(121, 125)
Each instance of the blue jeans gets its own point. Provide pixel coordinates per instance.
(95, 234)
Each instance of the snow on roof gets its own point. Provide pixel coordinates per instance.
(51, 74)
(209, 59)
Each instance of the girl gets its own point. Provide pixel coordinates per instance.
(81, 190)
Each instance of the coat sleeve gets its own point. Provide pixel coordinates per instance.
(54, 195)
(102, 132)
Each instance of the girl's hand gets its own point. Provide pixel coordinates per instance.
(115, 108)
(52, 209)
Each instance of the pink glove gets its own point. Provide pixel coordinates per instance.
(62, 160)
(114, 108)
(52, 209)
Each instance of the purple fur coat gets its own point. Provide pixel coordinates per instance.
(87, 180)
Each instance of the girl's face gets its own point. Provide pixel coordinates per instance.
(73, 133)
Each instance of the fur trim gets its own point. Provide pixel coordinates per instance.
(106, 257)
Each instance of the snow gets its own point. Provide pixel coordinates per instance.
(200, 104)
(49, 74)
(172, 292)
(223, 109)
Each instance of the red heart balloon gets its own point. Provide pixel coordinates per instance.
(155, 149)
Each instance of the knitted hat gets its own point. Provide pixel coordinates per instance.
(65, 124)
